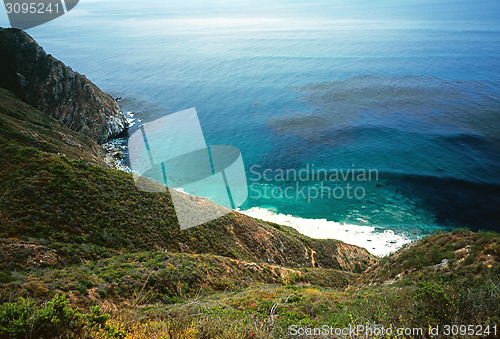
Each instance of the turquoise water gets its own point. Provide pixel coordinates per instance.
(409, 90)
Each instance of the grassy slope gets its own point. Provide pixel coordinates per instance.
(404, 290)
(250, 303)
(460, 257)
(53, 192)
(70, 225)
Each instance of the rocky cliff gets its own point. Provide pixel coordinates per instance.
(54, 88)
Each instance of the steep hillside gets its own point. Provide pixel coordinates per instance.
(178, 295)
(54, 193)
(71, 225)
(49, 85)
(459, 258)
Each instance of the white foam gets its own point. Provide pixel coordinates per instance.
(377, 243)
(130, 118)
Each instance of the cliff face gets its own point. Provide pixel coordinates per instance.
(54, 88)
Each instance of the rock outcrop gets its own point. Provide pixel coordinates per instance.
(54, 88)
(16, 254)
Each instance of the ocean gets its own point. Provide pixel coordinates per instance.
(390, 110)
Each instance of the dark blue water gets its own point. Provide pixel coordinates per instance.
(409, 89)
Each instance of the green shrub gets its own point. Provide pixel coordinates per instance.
(16, 318)
(57, 318)
(6, 277)
(437, 304)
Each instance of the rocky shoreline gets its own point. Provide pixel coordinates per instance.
(114, 154)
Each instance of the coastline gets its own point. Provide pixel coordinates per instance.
(116, 149)
(379, 243)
